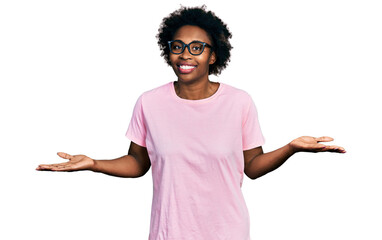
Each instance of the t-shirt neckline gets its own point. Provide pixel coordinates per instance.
(173, 93)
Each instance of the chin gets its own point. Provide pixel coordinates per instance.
(187, 78)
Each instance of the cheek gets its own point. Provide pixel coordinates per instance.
(171, 58)
(203, 61)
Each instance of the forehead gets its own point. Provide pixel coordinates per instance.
(189, 33)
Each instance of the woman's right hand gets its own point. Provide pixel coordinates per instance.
(75, 163)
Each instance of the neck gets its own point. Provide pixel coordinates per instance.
(196, 90)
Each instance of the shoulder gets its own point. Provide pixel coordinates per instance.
(156, 93)
(162, 89)
(236, 94)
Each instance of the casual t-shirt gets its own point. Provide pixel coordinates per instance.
(196, 153)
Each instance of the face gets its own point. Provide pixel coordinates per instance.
(190, 68)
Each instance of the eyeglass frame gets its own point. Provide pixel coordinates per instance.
(188, 47)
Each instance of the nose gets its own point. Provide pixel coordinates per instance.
(185, 54)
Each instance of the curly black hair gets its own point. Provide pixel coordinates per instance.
(208, 21)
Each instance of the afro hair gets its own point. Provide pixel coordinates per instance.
(208, 21)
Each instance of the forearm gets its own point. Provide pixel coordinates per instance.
(267, 162)
(126, 166)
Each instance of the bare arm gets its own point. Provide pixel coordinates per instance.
(133, 165)
(258, 163)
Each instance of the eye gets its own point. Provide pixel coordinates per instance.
(196, 47)
(176, 47)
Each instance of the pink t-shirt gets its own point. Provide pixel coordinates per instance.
(196, 153)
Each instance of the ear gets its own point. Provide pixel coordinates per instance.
(212, 58)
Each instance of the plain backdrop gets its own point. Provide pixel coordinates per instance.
(71, 72)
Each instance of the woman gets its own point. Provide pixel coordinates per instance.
(200, 137)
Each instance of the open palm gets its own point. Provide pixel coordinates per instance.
(75, 163)
(312, 144)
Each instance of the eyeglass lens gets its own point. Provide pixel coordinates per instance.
(195, 47)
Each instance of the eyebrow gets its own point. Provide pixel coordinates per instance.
(192, 41)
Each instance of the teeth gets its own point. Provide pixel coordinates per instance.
(186, 67)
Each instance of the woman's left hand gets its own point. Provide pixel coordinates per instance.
(311, 144)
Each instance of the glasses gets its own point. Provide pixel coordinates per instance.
(194, 47)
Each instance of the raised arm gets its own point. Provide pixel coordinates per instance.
(258, 163)
(133, 165)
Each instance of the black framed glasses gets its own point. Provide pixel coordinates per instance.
(194, 47)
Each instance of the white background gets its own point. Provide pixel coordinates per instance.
(71, 72)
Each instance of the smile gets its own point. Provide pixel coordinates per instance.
(186, 68)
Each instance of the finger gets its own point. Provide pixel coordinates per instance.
(67, 167)
(40, 167)
(316, 146)
(324, 139)
(45, 167)
(334, 148)
(64, 155)
(55, 167)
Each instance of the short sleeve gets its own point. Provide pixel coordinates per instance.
(251, 133)
(136, 131)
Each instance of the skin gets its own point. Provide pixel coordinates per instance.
(193, 86)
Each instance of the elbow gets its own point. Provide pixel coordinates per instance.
(254, 175)
(143, 172)
(251, 176)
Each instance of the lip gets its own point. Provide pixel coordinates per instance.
(185, 71)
